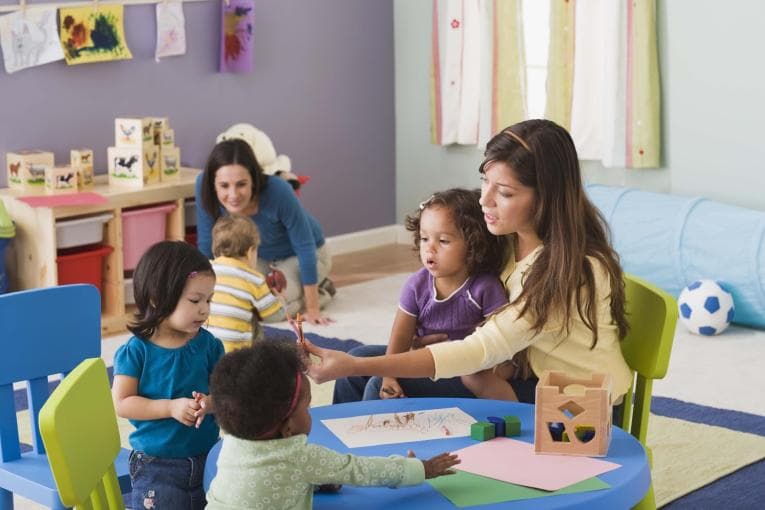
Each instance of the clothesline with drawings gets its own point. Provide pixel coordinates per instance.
(391, 428)
(22, 4)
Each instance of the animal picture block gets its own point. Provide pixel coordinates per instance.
(133, 132)
(61, 179)
(81, 157)
(159, 124)
(572, 415)
(133, 167)
(170, 164)
(26, 169)
(85, 177)
(167, 138)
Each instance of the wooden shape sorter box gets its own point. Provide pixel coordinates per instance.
(572, 415)
(32, 254)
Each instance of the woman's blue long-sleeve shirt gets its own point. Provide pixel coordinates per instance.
(286, 229)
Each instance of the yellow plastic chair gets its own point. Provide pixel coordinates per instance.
(652, 315)
(78, 426)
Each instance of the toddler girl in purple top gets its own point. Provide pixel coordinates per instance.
(446, 299)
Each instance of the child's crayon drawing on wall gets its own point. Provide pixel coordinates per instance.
(29, 38)
(390, 428)
(236, 49)
(93, 34)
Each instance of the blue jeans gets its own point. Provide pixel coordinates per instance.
(163, 483)
(355, 388)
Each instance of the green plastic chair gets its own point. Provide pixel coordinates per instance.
(78, 426)
(652, 315)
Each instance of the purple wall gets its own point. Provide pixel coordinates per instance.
(322, 88)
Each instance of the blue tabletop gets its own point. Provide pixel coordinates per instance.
(629, 483)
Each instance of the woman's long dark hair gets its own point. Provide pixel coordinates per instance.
(229, 152)
(542, 156)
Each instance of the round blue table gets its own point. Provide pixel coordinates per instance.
(629, 483)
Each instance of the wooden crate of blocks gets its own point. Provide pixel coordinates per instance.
(26, 169)
(134, 160)
(573, 415)
(60, 179)
(82, 161)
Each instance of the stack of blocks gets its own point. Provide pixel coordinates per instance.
(573, 415)
(144, 152)
(507, 426)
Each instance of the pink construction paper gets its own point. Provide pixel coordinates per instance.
(84, 198)
(516, 462)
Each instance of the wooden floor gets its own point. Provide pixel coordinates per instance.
(365, 265)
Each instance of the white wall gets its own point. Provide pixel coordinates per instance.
(713, 99)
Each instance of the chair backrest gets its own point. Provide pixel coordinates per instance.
(652, 315)
(45, 332)
(79, 428)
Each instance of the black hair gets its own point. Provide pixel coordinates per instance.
(252, 387)
(229, 152)
(159, 280)
(485, 251)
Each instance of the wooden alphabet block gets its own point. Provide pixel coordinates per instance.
(573, 415)
(170, 164)
(60, 179)
(482, 431)
(133, 132)
(26, 169)
(133, 167)
(81, 157)
(85, 177)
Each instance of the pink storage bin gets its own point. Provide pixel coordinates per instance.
(141, 228)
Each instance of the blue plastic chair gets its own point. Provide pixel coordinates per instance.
(44, 332)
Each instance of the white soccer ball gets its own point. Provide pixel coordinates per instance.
(705, 307)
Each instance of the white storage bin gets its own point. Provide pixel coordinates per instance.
(190, 213)
(129, 297)
(81, 231)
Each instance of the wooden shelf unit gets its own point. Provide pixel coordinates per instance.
(32, 254)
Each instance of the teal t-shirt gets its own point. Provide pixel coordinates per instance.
(167, 374)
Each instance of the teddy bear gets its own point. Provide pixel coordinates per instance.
(265, 153)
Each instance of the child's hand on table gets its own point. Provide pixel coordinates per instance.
(438, 465)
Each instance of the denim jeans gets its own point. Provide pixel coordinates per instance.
(163, 483)
(355, 388)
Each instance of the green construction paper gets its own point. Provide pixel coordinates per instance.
(466, 489)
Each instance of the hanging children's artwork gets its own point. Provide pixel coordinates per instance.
(93, 34)
(29, 38)
(236, 48)
(171, 30)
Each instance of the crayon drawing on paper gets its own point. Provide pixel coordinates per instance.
(29, 39)
(403, 427)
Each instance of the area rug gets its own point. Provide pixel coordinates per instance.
(701, 451)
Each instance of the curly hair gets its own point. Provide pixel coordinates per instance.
(233, 236)
(485, 251)
(252, 387)
(159, 280)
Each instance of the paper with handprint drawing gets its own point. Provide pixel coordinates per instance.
(29, 38)
(171, 30)
(93, 34)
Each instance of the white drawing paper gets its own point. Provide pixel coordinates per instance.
(171, 30)
(403, 427)
(29, 38)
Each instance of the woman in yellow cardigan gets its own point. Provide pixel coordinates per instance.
(562, 276)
